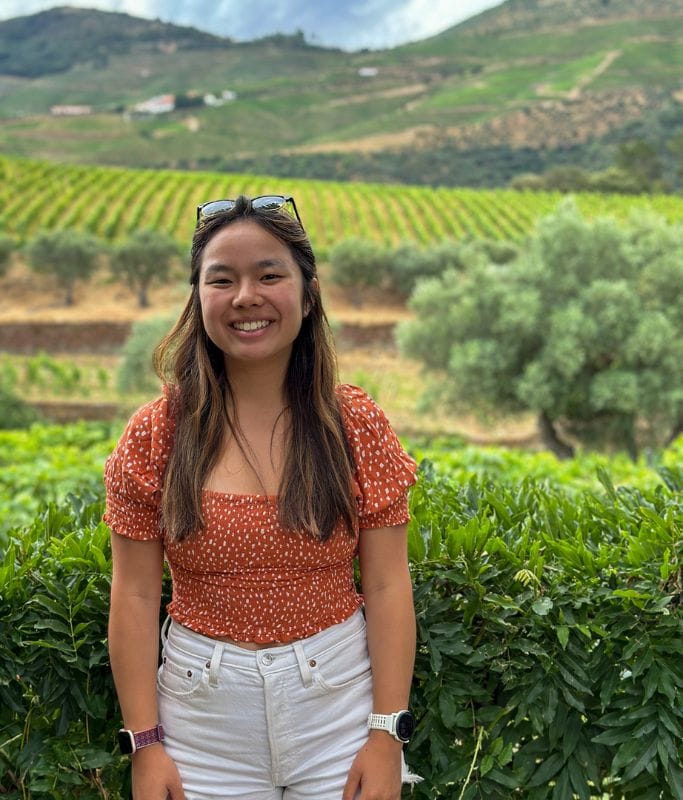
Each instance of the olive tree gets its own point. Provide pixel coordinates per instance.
(146, 256)
(356, 265)
(67, 255)
(585, 328)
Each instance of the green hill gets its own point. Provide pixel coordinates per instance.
(59, 39)
(523, 87)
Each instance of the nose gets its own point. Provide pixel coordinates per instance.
(247, 294)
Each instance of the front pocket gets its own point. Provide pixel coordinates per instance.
(180, 680)
(343, 666)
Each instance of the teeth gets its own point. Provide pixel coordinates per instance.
(251, 326)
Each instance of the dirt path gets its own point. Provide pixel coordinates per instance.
(585, 80)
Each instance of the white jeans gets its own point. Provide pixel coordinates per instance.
(282, 723)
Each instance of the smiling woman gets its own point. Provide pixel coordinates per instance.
(260, 481)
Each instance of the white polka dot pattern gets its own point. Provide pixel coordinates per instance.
(243, 576)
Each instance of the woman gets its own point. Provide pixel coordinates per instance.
(259, 480)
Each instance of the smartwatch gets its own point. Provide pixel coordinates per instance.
(400, 724)
(131, 741)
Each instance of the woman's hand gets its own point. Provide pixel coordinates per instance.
(155, 776)
(376, 771)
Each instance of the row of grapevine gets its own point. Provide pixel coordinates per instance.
(112, 202)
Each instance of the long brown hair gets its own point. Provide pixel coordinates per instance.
(315, 491)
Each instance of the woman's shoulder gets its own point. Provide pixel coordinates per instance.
(359, 411)
(383, 467)
(354, 400)
(155, 417)
(150, 429)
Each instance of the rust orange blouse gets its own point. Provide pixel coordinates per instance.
(242, 576)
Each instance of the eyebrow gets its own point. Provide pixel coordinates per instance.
(266, 263)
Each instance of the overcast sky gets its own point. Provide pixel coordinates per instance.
(350, 25)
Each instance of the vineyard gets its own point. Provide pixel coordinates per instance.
(112, 203)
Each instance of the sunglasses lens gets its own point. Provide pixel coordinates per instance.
(269, 202)
(214, 207)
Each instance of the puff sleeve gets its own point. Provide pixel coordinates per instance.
(384, 470)
(133, 473)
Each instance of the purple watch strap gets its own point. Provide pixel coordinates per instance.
(150, 736)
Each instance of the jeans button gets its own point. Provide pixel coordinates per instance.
(267, 658)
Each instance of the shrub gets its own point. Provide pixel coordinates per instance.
(549, 641)
(136, 373)
(549, 645)
(14, 412)
(408, 264)
(357, 264)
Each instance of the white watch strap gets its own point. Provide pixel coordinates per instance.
(382, 722)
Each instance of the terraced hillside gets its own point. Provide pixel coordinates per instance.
(524, 86)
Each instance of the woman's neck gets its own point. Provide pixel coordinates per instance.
(257, 389)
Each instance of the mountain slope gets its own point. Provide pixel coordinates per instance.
(516, 15)
(521, 87)
(58, 39)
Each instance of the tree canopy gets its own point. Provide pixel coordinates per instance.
(585, 328)
(147, 255)
(67, 255)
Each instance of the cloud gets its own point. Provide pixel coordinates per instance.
(351, 25)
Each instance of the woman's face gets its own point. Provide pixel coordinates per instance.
(251, 294)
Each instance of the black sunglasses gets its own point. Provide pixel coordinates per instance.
(269, 202)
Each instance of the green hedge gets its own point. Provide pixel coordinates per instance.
(549, 652)
(550, 640)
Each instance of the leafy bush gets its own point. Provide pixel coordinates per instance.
(409, 263)
(136, 373)
(549, 641)
(44, 464)
(14, 412)
(56, 692)
(357, 264)
(549, 644)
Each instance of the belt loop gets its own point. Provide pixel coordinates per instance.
(164, 630)
(215, 663)
(304, 668)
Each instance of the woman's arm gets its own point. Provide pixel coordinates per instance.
(134, 654)
(388, 594)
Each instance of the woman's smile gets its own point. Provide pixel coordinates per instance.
(251, 327)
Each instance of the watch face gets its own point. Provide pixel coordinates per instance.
(405, 725)
(126, 742)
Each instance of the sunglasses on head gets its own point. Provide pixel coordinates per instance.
(269, 202)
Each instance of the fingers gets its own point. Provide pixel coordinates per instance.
(352, 786)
